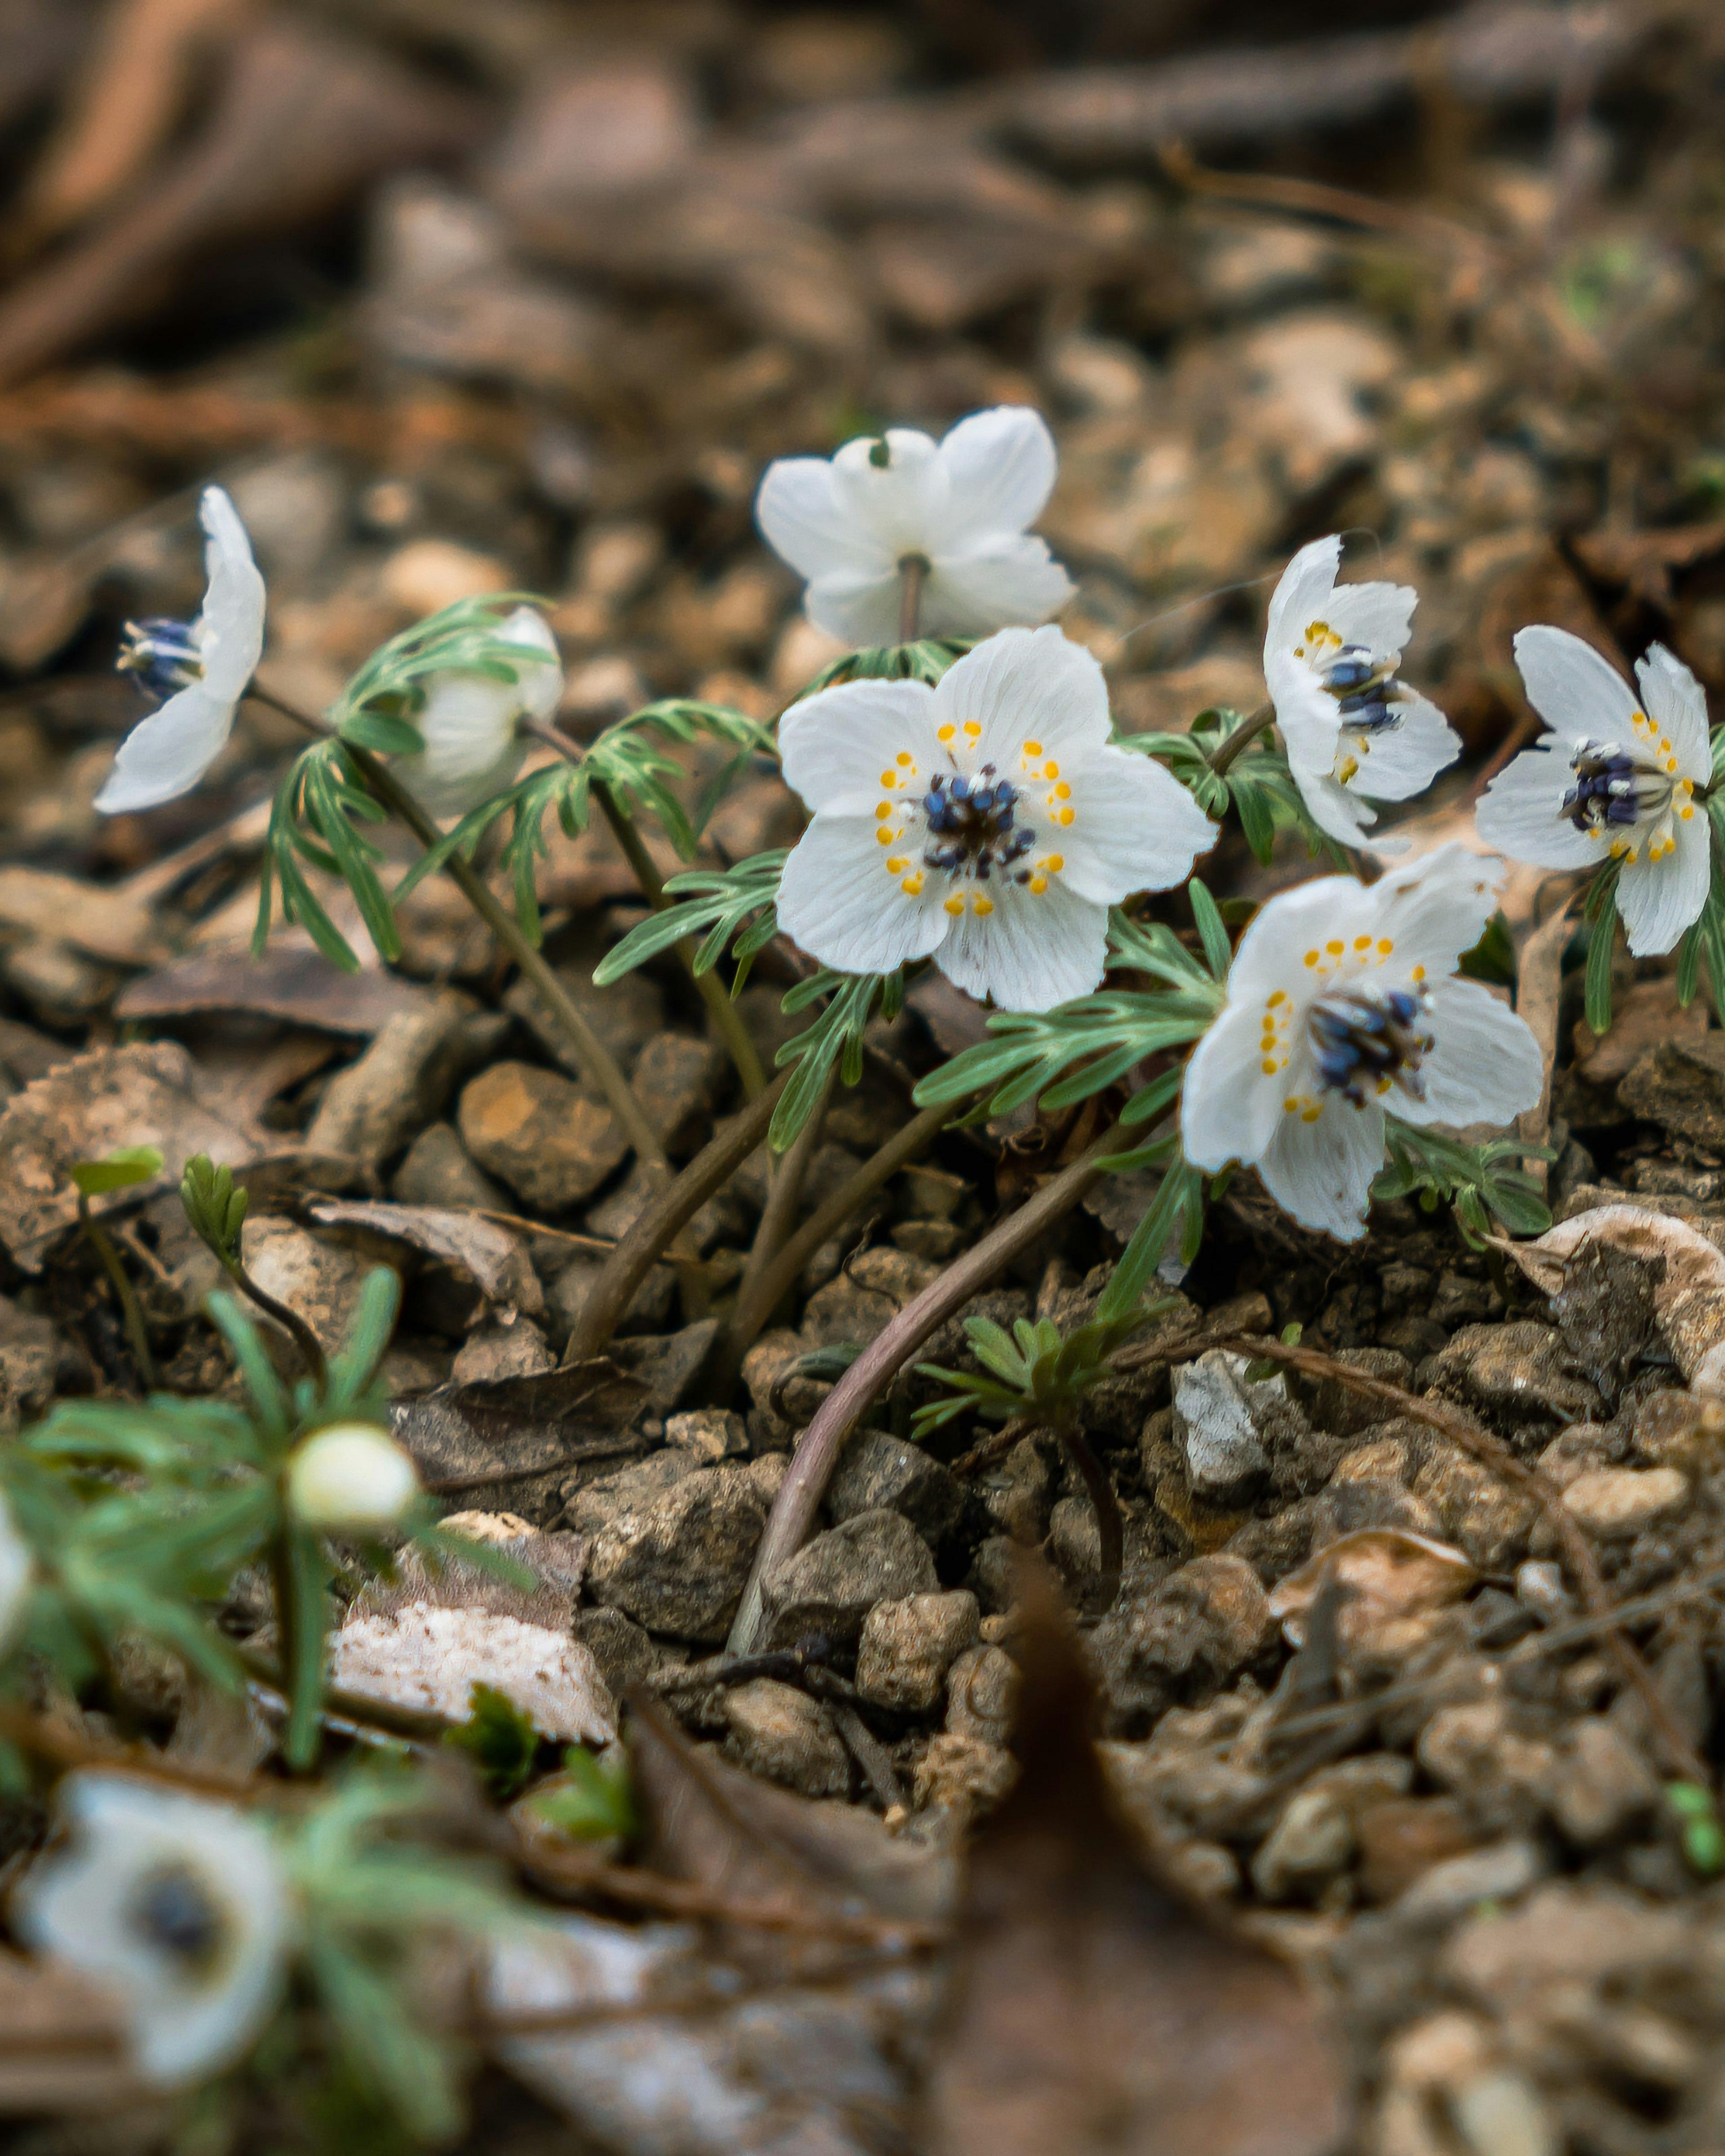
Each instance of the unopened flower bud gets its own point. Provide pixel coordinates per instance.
(351, 1478)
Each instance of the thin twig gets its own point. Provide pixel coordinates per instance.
(713, 992)
(987, 1450)
(638, 1251)
(1493, 1453)
(590, 1053)
(132, 1310)
(777, 1224)
(812, 1464)
(298, 1331)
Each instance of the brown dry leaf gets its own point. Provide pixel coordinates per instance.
(298, 985)
(134, 82)
(63, 2044)
(479, 1251)
(1384, 1572)
(303, 119)
(1615, 1273)
(144, 1094)
(1643, 561)
(105, 920)
(1092, 2011)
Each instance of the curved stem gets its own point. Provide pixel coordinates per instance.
(591, 1056)
(722, 1009)
(777, 1223)
(132, 1310)
(303, 1338)
(1110, 1534)
(635, 1255)
(1262, 721)
(813, 1462)
(757, 1301)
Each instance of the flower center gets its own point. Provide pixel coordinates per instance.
(163, 654)
(1366, 1038)
(970, 825)
(1367, 693)
(1625, 795)
(174, 1911)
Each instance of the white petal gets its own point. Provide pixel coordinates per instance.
(1521, 811)
(1025, 685)
(229, 631)
(858, 607)
(1485, 1067)
(1001, 463)
(168, 753)
(1272, 954)
(472, 749)
(539, 689)
(837, 901)
(804, 524)
(1136, 826)
(1229, 1109)
(1380, 616)
(837, 743)
(1402, 762)
(988, 587)
(1677, 704)
(1302, 596)
(1434, 908)
(1031, 952)
(1576, 691)
(1312, 738)
(901, 504)
(1320, 1172)
(1658, 899)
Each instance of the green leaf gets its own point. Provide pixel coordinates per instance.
(1477, 1181)
(1178, 1201)
(116, 1171)
(1600, 939)
(591, 1800)
(215, 1208)
(926, 660)
(498, 1738)
(834, 1039)
(1218, 953)
(717, 905)
(305, 1576)
(1493, 958)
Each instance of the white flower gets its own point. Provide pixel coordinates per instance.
(1341, 1003)
(17, 1562)
(473, 745)
(175, 1904)
(988, 820)
(208, 664)
(351, 1478)
(1352, 728)
(1613, 780)
(959, 506)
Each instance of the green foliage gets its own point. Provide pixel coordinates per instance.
(1698, 1828)
(1175, 1216)
(1258, 785)
(835, 1037)
(591, 1800)
(1064, 1055)
(926, 660)
(375, 710)
(315, 817)
(215, 1209)
(1034, 1370)
(630, 761)
(727, 908)
(1599, 912)
(1492, 959)
(1706, 938)
(1437, 1170)
(115, 1171)
(499, 1739)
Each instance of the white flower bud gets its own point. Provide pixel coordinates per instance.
(351, 1478)
(16, 1564)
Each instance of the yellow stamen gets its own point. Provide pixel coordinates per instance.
(883, 809)
(1038, 886)
(982, 906)
(904, 760)
(955, 905)
(945, 733)
(1054, 862)
(912, 885)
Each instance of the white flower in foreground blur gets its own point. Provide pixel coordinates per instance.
(16, 1563)
(987, 820)
(959, 507)
(351, 1478)
(1352, 729)
(1613, 780)
(201, 667)
(1343, 1002)
(474, 746)
(175, 1904)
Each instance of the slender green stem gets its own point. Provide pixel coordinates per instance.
(303, 1338)
(132, 1310)
(591, 1056)
(813, 1462)
(723, 1011)
(912, 577)
(1262, 721)
(777, 1221)
(758, 1299)
(669, 1212)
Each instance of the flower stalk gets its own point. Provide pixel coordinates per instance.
(1225, 752)
(132, 1310)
